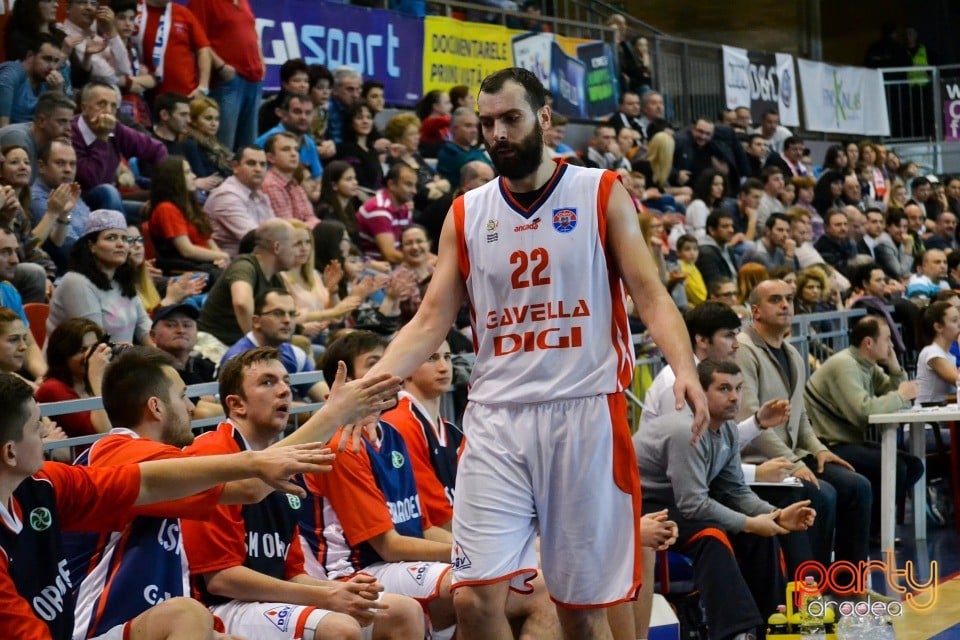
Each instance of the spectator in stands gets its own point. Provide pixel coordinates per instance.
(237, 206)
(873, 228)
(434, 111)
(403, 130)
(773, 368)
(952, 191)
(77, 358)
(894, 250)
(847, 389)
(628, 113)
(749, 276)
(944, 235)
(790, 161)
(372, 95)
(772, 131)
(704, 490)
(204, 124)
(828, 193)
(553, 137)
(651, 110)
(26, 21)
(100, 142)
(15, 340)
(931, 276)
(756, 149)
(789, 195)
(357, 148)
(133, 78)
(175, 332)
(776, 248)
(237, 61)
(936, 366)
(55, 182)
(148, 282)
(602, 152)
(171, 122)
(22, 81)
(181, 58)
(11, 299)
(294, 78)
(772, 179)
(295, 111)
(317, 296)
(288, 199)
(321, 88)
(709, 193)
(34, 266)
(835, 245)
(228, 312)
(100, 284)
(694, 285)
(462, 146)
(696, 151)
(51, 120)
(835, 159)
(274, 322)
(715, 260)
(879, 187)
(179, 227)
(916, 226)
(921, 194)
(382, 219)
(658, 170)
(99, 53)
(417, 261)
(338, 197)
(805, 187)
(347, 84)
(461, 96)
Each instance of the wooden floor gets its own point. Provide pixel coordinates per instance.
(941, 623)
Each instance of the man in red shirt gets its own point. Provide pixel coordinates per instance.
(231, 27)
(39, 500)
(174, 46)
(247, 564)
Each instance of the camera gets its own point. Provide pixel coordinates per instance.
(115, 349)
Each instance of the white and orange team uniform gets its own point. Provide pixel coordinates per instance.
(547, 435)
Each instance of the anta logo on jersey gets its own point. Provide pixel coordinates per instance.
(565, 220)
(533, 225)
(417, 572)
(280, 617)
(49, 602)
(461, 560)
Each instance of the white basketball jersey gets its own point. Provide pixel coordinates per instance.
(548, 308)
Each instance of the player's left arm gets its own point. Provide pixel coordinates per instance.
(438, 534)
(655, 306)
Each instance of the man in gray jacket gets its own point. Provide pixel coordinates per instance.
(703, 489)
(850, 386)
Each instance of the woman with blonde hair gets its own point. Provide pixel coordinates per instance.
(204, 123)
(175, 290)
(651, 227)
(657, 167)
(869, 156)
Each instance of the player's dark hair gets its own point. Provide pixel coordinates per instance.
(231, 373)
(536, 94)
(133, 377)
(15, 397)
(347, 348)
(708, 368)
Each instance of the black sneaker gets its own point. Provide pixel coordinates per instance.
(934, 514)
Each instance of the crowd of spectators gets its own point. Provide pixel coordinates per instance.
(150, 195)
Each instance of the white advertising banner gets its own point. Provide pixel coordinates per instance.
(839, 99)
(761, 81)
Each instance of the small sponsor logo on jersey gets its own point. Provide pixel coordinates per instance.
(294, 501)
(565, 220)
(397, 459)
(280, 617)
(418, 572)
(492, 235)
(533, 225)
(461, 560)
(40, 519)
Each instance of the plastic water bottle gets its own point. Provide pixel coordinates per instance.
(777, 622)
(812, 608)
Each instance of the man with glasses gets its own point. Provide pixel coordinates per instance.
(22, 81)
(274, 323)
(723, 290)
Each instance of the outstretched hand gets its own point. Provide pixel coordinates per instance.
(276, 465)
(357, 404)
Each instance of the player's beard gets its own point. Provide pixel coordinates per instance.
(177, 435)
(525, 157)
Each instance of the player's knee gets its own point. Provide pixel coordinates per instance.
(581, 622)
(478, 603)
(337, 626)
(185, 614)
(404, 618)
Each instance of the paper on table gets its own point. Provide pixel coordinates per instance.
(789, 481)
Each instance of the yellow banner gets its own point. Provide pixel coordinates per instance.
(457, 52)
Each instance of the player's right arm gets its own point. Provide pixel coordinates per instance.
(394, 547)
(426, 331)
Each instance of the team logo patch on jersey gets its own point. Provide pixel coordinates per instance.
(492, 235)
(418, 572)
(280, 617)
(397, 459)
(40, 519)
(461, 560)
(565, 220)
(294, 501)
